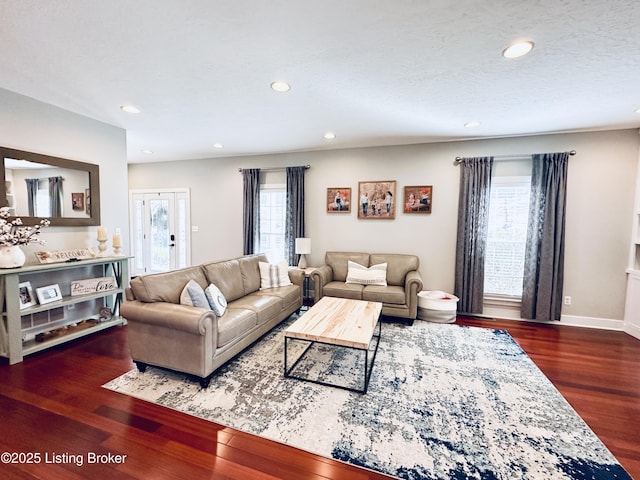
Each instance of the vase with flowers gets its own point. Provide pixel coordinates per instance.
(13, 234)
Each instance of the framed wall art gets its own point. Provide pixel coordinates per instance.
(77, 201)
(418, 199)
(377, 200)
(339, 200)
(87, 203)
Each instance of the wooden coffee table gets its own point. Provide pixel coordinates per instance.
(339, 322)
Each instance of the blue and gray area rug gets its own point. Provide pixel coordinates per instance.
(444, 402)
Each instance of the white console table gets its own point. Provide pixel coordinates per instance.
(19, 327)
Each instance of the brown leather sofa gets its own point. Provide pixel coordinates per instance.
(399, 298)
(193, 340)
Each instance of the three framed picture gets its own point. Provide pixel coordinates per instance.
(376, 200)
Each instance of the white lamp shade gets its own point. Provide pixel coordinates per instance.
(303, 246)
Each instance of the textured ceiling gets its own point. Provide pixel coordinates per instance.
(375, 72)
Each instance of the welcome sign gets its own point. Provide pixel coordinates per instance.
(65, 255)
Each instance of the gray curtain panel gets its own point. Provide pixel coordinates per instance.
(473, 218)
(544, 257)
(295, 211)
(32, 195)
(251, 209)
(55, 196)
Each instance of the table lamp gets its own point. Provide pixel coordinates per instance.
(303, 247)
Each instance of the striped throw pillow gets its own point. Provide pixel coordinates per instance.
(374, 275)
(274, 275)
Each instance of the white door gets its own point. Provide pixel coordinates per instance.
(160, 229)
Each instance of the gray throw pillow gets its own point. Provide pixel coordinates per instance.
(193, 295)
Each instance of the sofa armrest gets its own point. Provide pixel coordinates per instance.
(169, 315)
(412, 285)
(321, 276)
(296, 276)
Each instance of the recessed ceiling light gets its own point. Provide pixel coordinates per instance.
(147, 152)
(280, 86)
(218, 145)
(638, 110)
(129, 109)
(472, 124)
(329, 136)
(518, 49)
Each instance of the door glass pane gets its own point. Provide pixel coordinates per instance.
(181, 232)
(138, 235)
(159, 210)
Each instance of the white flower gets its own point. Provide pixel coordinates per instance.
(15, 233)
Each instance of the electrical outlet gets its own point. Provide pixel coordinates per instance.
(567, 300)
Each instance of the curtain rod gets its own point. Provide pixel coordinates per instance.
(274, 169)
(521, 156)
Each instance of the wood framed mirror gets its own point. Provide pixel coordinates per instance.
(36, 186)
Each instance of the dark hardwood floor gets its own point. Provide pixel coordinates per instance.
(53, 405)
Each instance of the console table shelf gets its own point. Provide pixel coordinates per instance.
(33, 346)
(18, 324)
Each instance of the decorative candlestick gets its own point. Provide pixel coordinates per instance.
(102, 241)
(117, 242)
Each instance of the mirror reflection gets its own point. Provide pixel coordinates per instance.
(40, 190)
(36, 186)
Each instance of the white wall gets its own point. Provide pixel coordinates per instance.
(601, 184)
(30, 125)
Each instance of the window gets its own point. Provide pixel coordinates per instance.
(273, 210)
(507, 236)
(43, 199)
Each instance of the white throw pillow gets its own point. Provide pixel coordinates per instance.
(193, 295)
(374, 275)
(216, 299)
(272, 276)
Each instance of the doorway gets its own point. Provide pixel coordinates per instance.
(160, 230)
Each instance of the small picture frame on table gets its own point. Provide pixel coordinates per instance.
(27, 298)
(48, 294)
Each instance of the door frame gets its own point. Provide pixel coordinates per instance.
(155, 191)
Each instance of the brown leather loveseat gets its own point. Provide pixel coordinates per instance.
(399, 296)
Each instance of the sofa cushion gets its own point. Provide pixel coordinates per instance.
(216, 300)
(338, 262)
(235, 323)
(374, 275)
(274, 275)
(250, 272)
(265, 306)
(166, 286)
(343, 290)
(389, 294)
(398, 265)
(193, 295)
(289, 295)
(227, 277)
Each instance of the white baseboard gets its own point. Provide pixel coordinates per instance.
(632, 330)
(570, 320)
(591, 322)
